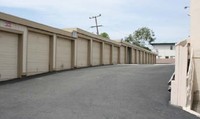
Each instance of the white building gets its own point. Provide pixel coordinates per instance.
(165, 51)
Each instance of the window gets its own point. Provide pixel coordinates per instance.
(166, 57)
(171, 47)
(172, 57)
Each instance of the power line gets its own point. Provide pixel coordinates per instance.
(97, 26)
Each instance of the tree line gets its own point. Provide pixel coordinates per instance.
(140, 37)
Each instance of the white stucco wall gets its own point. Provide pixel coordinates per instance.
(195, 44)
(164, 50)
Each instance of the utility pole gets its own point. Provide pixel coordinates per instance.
(97, 26)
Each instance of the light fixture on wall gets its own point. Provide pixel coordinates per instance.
(187, 7)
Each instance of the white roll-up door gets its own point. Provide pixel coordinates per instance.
(107, 54)
(38, 53)
(63, 54)
(123, 54)
(8, 55)
(96, 53)
(82, 52)
(115, 55)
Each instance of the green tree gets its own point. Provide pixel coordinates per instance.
(140, 36)
(105, 35)
(144, 34)
(129, 39)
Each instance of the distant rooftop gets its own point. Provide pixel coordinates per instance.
(163, 43)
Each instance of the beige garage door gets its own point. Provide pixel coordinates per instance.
(82, 52)
(147, 58)
(96, 50)
(123, 55)
(107, 54)
(141, 57)
(115, 55)
(144, 59)
(38, 53)
(63, 54)
(133, 56)
(8, 55)
(138, 57)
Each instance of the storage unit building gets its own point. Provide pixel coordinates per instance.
(100, 50)
(29, 48)
(134, 54)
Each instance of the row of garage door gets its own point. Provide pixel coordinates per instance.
(138, 57)
(83, 53)
(40, 54)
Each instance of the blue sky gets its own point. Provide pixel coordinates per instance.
(167, 18)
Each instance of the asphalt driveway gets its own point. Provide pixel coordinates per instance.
(107, 92)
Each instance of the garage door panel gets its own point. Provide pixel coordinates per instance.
(8, 55)
(96, 53)
(123, 55)
(141, 57)
(82, 52)
(115, 55)
(107, 54)
(138, 57)
(63, 54)
(133, 56)
(38, 53)
(144, 58)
